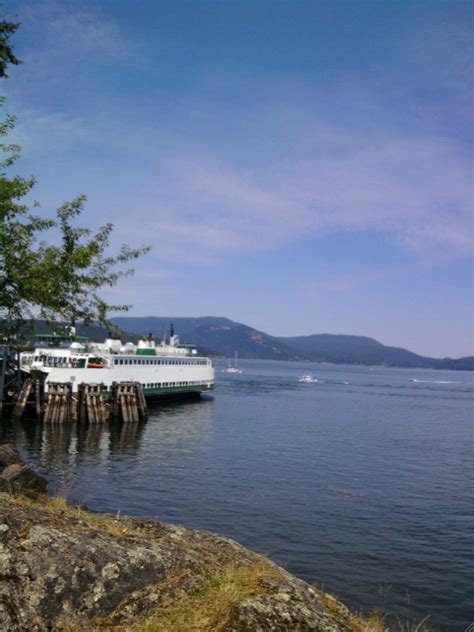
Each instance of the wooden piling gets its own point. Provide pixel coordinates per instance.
(58, 403)
(38, 398)
(90, 404)
(128, 403)
(22, 399)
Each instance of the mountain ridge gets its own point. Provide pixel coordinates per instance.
(222, 336)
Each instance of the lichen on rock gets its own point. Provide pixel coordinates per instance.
(63, 568)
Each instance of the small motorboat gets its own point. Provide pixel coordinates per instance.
(308, 378)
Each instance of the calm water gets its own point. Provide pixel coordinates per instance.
(363, 483)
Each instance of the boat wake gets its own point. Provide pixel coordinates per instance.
(433, 381)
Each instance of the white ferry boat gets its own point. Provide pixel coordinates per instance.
(165, 369)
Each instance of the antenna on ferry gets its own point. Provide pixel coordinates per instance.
(171, 330)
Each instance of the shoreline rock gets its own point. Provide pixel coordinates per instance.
(16, 476)
(64, 568)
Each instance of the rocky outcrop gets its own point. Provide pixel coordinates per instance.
(17, 477)
(63, 568)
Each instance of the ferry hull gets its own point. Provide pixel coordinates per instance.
(169, 385)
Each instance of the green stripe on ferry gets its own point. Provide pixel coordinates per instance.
(156, 390)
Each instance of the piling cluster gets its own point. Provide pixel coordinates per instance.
(92, 403)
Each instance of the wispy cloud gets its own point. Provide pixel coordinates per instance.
(330, 283)
(220, 173)
(67, 33)
(416, 189)
(74, 28)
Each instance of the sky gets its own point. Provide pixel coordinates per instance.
(299, 166)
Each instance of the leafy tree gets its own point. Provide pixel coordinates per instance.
(61, 281)
(6, 52)
(77, 269)
(18, 226)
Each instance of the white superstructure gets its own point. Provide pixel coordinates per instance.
(162, 369)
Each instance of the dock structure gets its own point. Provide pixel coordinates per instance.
(128, 402)
(92, 404)
(10, 379)
(58, 403)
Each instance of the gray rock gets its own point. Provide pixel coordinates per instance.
(21, 478)
(61, 568)
(8, 455)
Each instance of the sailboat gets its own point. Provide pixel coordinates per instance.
(233, 368)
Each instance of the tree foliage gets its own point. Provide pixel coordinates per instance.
(60, 280)
(6, 52)
(79, 267)
(19, 230)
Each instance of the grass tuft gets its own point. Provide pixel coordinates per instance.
(206, 607)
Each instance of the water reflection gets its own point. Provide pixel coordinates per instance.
(181, 427)
(60, 449)
(126, 437)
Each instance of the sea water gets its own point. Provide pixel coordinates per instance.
(361, 482)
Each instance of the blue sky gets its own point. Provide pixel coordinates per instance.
(302, 167)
